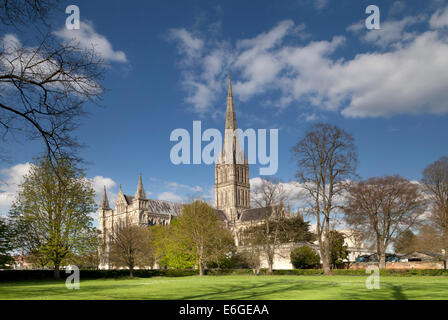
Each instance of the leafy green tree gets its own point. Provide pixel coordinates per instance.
(304, 258)
(338, 251)
(405, 243)
(169, 251)
(196, 238)
(51, 214)
(5, 244)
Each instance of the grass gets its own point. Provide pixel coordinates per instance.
(233, 287)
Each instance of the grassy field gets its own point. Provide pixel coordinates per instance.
(233, 287)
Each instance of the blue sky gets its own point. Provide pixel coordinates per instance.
(293, 63)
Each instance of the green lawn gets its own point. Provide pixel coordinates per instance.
(233, 287)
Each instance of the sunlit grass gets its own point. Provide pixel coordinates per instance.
(233, 287)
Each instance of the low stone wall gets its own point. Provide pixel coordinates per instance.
(418, 265)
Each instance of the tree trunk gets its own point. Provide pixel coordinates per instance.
(201, 269)
(131, 272)
(270, 268)
(57, 274)
(326, 264)
(382, 257)
(325, 252)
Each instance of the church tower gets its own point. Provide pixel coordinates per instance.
(232, 188)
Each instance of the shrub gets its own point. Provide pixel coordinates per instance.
(304, 258)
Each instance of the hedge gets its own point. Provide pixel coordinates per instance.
(16, 275)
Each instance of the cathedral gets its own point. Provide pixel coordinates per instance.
(232, 191)
(232, 198)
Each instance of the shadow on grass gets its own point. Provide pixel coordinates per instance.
(241, 288)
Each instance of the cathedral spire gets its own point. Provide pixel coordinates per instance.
(230, 112)
(140, 193)
(104, 201)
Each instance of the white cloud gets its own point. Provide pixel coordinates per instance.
(405, 77)
(320, 4)
(293, 191)
(88, 38)
(30, 62)
(439, 19)
(9, 183)
(176, 186)
(10, 179)
(187, 43)
(397, 7)
(392, 32)
(169, 196)
(98, 183)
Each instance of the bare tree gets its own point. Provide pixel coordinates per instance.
(269, 192)
(19, 13)
(274, 227)
(429, 240)
(383, 208)
(43, 90)
(327, 159)
(44, 85)
(435, 182)
(131, 246)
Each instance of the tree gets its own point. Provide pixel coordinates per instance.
(170, 250)
(435, 182)
(406, 242)
(272, 231)
(273, 228)
(19, 13)
(304, 258)
(248, 259)
(383, 208)
(270, 191)
(51, 214)
(222, 247)
(131, 246)
(6, 246)
(199, 225)
(326, 158)
(44, 85)
(338, 250)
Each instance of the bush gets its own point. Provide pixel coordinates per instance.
(304, 258)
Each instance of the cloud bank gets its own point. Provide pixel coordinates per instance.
(403, 71)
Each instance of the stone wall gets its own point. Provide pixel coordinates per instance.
(400, 265)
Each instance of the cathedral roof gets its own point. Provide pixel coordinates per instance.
(165, 207)
(128, 198)
(221, 215)
(255, 214)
